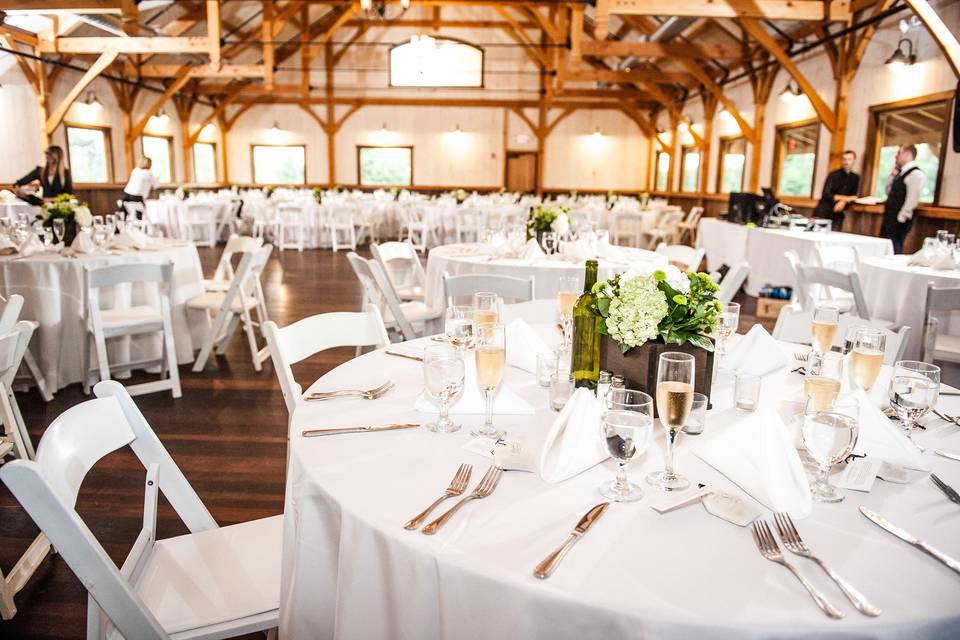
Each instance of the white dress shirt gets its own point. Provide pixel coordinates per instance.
(140, 183)
(914, 183)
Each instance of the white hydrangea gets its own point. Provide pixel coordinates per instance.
(675, 278)
(561, 224)
(636, 312)
(83, 216)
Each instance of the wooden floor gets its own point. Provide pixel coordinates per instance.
(227, 434)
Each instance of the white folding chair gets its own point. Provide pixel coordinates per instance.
(413, 225)
(688, 227)
(626, 228)
(223, 275)
(402, 265)
(408, 318)
(681, 256)
(233, 306)
(818, 284)
(507, 287)
(732, 281)
(341, 222)
(937, 345)
(543, 311)
(107, 324)
(214, 582)
(839, 257)
(667, 229)
(199, 224)
(229, 217)
(304, 338)
(291, 226)
(136, 210)
(9, 316)
(793, 325)
(470, 223)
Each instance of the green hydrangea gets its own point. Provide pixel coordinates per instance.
(636, 313)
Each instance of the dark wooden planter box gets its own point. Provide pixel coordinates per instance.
(639, 365)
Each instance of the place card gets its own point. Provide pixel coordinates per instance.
(859, 474)
(731, 508)
(506, 454)
(664, 502)
(893, 473)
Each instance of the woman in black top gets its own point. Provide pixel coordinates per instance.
(54, 177)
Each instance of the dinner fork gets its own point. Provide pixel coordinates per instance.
(949, 491)
(800, 357)
(457, 486)
(487, 484)
(771, 551)
(794, 543)
(367, 394)
(943, 416)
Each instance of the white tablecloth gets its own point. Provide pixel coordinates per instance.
(13, 209)
(897, 292)
(351, 571)
(459, 259)
(728, 243)
(52, 288)
(167, 214)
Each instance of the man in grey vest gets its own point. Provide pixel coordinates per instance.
(903, 194)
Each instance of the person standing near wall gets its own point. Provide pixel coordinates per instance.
(839, 189)
(903, 194)
(53, 176)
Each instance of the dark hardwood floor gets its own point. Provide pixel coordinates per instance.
(227, 433)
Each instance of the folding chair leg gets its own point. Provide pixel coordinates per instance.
(19, 428)
(209, 342)
(224, 340)
(86, 363)
(34, 369)
(170, 352)
(102, 362)
(252, 339)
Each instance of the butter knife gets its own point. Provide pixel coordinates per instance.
(545, 568)
(910, 538)
(310, 433)
(947, 454)
(403, 355)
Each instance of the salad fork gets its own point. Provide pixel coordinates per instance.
(367, 394)
(487, 484)
(947, 490)
(457, 486)
(771, 551)
(794, 543)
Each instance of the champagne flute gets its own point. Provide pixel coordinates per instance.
(914, 390)
(821, 385)
(867, 356)
(443, 374)
(568, 292)
(823, 329)
(829, 437)
(458, 326)
(727, 326)
(491, 356)
(486, 310)
(675, 373)
(627, 424)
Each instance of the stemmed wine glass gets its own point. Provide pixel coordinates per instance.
(627, 424)
(675, 372)
(486, 309)
(823, 329)
(549, 241)
(100, 233)
(914, 390)
(821, 385)
(458, 326)
(59, 229)
(443, 374)
(867, 356)
(727, 326)
(829, 436)
(567, 294)
(491, 356)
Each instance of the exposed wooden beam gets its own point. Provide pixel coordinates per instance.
(7, 42)
(204, 71)
(181, 44)
(716, 90)
(280, 19)
(629, 75)
(56, 116)
(553, 33)
(576, 36)
(70, 6)
(759, 33)
(129, 17)
(642, 121)
(172, 88)
(524, 37)
(325, 37)
(266, 32)
(836, 10)
(223, 104)
(213, 33)
(705, 51)
(945, 39)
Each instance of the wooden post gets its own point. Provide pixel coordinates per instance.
(331, 117)
(268, 50)
(43, 90)
(224, 128)
(671, 170)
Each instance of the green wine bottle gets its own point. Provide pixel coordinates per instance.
(585, 359)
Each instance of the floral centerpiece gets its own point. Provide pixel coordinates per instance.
(317, 193)
(644, 199)
(268, 191)
(460, 195)
(182, 193)
(71, 210)
(548, 217)
(611, 199)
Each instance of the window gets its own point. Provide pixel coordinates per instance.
(795, 158)
(662, 171)
(426, 61)
(88, 152)
(279, 164)
(385, 165)
(160, 150)
(733, 156)
(923, 124)
(690, 169)
(205, 162)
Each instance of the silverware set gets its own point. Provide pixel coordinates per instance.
(943, 416)
(947, 490)
(366, 394)
(310, 433)
(911, 539)
(545, 568)
(458, 485)
(403, 355)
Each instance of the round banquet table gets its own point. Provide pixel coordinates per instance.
(167, 213)
(897, 292)
(350, 570)
(463, 258)
(52, 287)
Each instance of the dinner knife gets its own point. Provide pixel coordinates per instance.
(403, 355)
(910, 538)
(545, 568)
(947, 454)
(333, 432)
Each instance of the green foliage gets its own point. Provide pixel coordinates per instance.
(542, 217)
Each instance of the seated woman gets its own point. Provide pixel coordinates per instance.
(54, 178)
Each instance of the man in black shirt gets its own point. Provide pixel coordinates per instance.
(840, 188)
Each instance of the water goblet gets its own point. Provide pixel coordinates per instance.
(443, 374)
(458, 326)
(59, 228)
(829, 437)
(914, 390)
(727, 326)
(627, 426)
(549, 241)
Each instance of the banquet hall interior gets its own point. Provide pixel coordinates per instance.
(457, 319)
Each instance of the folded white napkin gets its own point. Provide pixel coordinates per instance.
(83, 243)
(756, 452)
(940, 260)
(574, 443)
(131, 238)
(881, 438)
(756, 354)
(943, 262)
(609, 251)
(31, 245)
(505, 402)
(532, 250)
(523, 345)
(7, 196)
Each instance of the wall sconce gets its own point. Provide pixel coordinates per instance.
(900, 58)
(275, 128)
(384, 128)
(457, 130)
(92, 100)
(684, 127)
(597, 133)
(789, 92)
